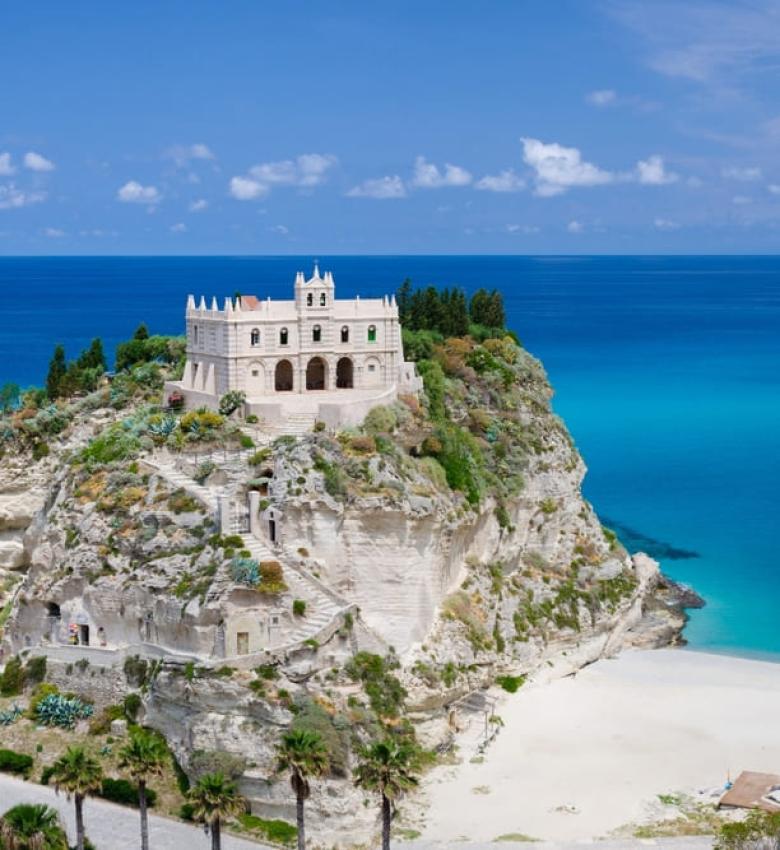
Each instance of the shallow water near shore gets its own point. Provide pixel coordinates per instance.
(666, 370)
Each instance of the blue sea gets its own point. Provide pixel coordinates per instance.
(666, 370)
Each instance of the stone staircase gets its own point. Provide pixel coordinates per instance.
(180, 480)
(321, 609)
(294, 425)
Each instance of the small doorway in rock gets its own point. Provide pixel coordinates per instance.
(242, 643)
(272, 530)
(84, 635)
(53, 610)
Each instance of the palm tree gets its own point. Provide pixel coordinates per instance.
(387, 768)
(79, 774)
(143, 756)
(215, 799)
(32, 827)
(305, 754)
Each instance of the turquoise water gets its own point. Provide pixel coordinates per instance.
(666, 370)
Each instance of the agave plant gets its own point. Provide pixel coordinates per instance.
(57, 710)
(163, 427)
(245, 570)
(10, 716)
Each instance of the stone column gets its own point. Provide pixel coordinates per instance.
(223, 511)
(255, 525)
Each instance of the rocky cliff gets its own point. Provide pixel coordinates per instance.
(449, 534)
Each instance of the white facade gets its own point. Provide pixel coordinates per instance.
(314, 354)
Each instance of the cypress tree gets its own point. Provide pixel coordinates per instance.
(141, 332)
(459, 313)
(403, 298)
(495, 310)
(479, 307)
(57, 370)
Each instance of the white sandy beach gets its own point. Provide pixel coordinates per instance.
(606, 742)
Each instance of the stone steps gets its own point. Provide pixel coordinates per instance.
(182, 481)
(320, 608)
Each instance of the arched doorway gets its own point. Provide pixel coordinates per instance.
(316, 372)
(344, 371)
(284, 376)
(255, 380)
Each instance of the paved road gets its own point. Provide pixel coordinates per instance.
(113, 827)
(696, 843)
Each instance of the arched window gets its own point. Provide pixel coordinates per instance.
(372, 333)
(323, 299)
(309, 299)
(283, 336)
(316, 333)
(345, 334)
(254, 337)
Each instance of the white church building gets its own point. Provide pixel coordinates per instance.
(315, 355)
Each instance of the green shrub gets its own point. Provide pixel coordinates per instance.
(511, 684)
(101, 724)
(46, 774)
(260, 456)
(384, 690)
(275, 831)
(380, 420)
(299, 607)
(131, 705)
(136, 669)
(12, 678)
(187, 811)
(11, 762)
(124, 792)
(40, 450)
(246, 442)
(252, 419)
(231, 401)
(35, 670)
(758, 830)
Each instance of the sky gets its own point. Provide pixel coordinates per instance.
(505, 126)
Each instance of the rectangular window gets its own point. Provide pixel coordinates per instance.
(242, 643)
(372, 368)
(255, 373)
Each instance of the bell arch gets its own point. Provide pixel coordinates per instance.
(283, 376)
(345, 372)
(316, 374)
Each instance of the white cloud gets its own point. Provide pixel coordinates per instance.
(652, 172)
(705, 41)
(525, 229)
(575, 226)
(305, 171)
(309, 169)
(559, 168)
(36, 162)
(182, 155)
(6, 168)
(199, 205)
(244, 189)
(601, 97)
(745, 174)
(774, 188)
(665, 224)
(741, 200)
(428, 176)
(280, 229)
(179, 227)
(12, 198)
(134, 193)
(506, 181)
(382, 188)
(53, 232)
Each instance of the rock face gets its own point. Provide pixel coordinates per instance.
(448, 535)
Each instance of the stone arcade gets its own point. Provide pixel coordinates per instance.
(316, 355)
